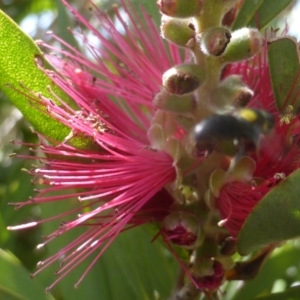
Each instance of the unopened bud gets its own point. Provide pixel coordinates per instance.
(186, 122)
(207, 271)
(244, 43)
(232, 92)
(174, 103)
(174, 148)
(180, 8)
(214, 40)
(156, 136)
(178, 31)
(217, 180)
(182, 229)
(167, 122)
(183, 79)
(213, 281)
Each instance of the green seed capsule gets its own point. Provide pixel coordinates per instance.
(244, 43)
(178, 31)
(183, 79)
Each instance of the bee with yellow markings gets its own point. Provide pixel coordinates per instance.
(244, 125)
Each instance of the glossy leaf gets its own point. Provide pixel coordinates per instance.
(17, 54)
(283, 55)
(15, 281)
(267, 12)
(259, 13)
(246, 13)
(276, 218)
(290, 294)
(17, 65)
(282, 264)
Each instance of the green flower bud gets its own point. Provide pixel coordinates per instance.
(156, 136)
(187, 123)
(180, 8)
(174, 148)
(173, 103)
(244, 43)
(217, 179)
(167, 121)
(178, 31)
(231, 92)
(182, 229)
(183, 79)
(163, 126)
(214, 40)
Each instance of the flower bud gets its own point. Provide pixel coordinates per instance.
(244, 43)
(213, 281)
(242, 170)
(186, 122)
(163, 126)
(183, 79)
(156, 136)
(214, 40)
(231, 92)
(182, 229)
(178, 31)
(174, 103)
(174, 148)
(180, 8)
(217, 180)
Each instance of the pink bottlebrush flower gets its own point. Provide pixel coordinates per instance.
(278, 154)
(122, 181)
(138, 153)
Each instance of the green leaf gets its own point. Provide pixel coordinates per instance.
(283, 56)
(149, 6)
(276, 218)
(15, 281)
(259, 13)
(267, 12)
(17, 54)
(17, 64)
(246, 13)
(276, 267)
(290, 294)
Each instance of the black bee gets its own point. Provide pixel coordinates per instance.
(245, 125)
